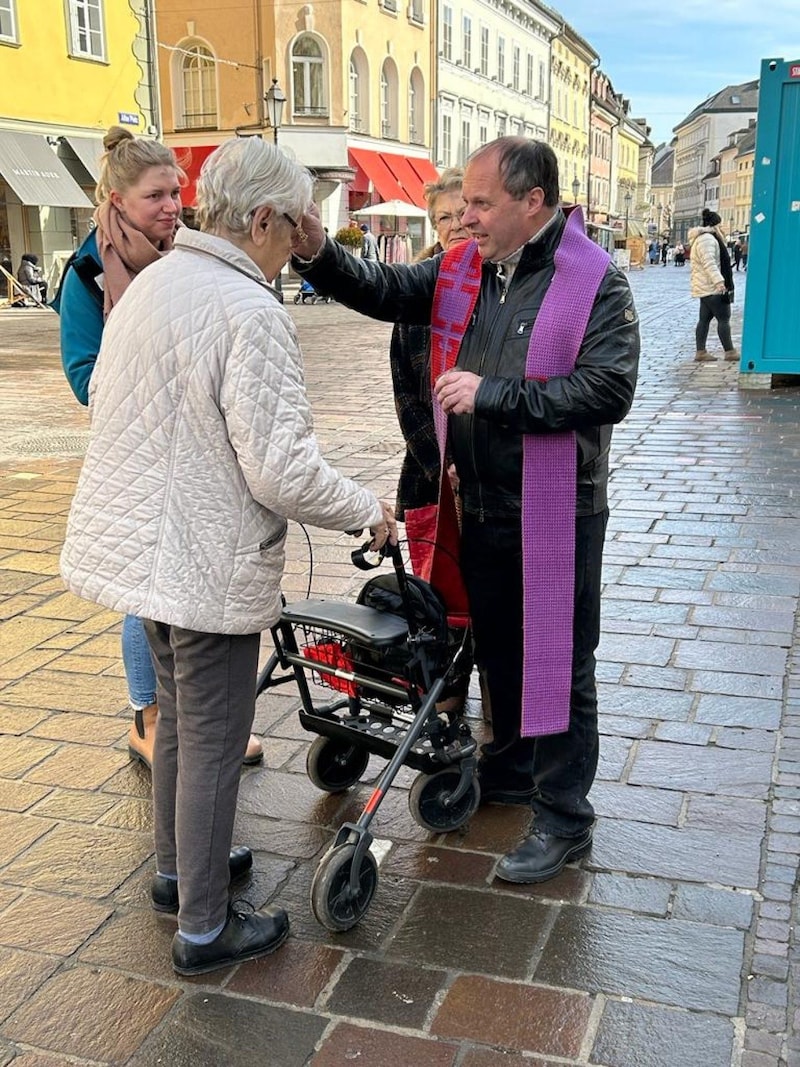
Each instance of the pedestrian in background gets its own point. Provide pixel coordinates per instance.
(139, 205)
(745, 251)
(30, 276)
(202, 447)
(737, 253)
(369, 246)
(712, 283)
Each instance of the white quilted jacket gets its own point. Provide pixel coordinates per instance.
(705, 259)
(201, 448)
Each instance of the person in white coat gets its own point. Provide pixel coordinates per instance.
(202, 447)
(712, 282)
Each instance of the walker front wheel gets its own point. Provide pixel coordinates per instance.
(335, 765)
(429, 799)
(334, 902)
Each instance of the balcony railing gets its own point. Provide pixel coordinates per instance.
(199, 120)
(307, 111)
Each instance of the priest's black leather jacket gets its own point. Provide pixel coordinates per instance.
(486, 446)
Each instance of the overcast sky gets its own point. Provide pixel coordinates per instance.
(668, 57)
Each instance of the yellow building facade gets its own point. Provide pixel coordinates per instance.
(571, 61)
(627, 170)
(355, 78)
(743, 198)
(69, 72)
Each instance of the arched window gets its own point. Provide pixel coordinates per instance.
(198, 86)
(416, 107)
(389, 122)
(359, 92)
(308, 77)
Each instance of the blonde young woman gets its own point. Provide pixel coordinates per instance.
(139, 204)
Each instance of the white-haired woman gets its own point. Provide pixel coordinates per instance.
(202, 447)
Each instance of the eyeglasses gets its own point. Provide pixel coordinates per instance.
(299, 233)
(449, 220)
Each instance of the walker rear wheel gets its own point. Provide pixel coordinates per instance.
(335, 765)
(428, 798)
(334, 903)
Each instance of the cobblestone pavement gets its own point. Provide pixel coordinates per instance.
(671, 945)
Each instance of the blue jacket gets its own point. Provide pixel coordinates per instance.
(81, 312)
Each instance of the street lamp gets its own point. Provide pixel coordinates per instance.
(274, 98)
(628, 199)
(576, 188)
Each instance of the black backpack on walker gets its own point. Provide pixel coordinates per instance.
(428, 617)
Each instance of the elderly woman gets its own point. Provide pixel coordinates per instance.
(202, 447)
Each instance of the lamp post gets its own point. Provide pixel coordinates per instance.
(628, 199)
(576, 188)
(274, 98)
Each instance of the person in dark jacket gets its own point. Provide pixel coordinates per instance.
(511, 192)
(31, 277)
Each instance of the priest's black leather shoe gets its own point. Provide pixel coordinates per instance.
(164, 891)
(542, 856)
(245, 936)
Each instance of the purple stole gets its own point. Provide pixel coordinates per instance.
(549, 466)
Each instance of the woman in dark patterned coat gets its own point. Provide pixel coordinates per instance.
(410, 354)
(410, 360)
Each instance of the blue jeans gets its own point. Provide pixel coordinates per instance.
(562, 766)
(138, 662)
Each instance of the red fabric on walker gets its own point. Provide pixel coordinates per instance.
(433, 546)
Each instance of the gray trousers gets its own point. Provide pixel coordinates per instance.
(206, 704)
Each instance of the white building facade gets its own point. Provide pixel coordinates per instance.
(493, 74)
(701, 136)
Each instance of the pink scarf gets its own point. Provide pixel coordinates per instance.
(123, 250)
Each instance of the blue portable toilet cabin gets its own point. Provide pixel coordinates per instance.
(771, 332)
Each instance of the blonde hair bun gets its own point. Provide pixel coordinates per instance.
(116, 135)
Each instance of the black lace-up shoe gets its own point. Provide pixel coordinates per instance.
(164, 891)
(542, 856)
(247, 935)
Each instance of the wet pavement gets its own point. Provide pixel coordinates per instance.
(672, 944)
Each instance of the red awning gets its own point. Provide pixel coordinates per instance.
(393, 177)
(190, 160)
(407, 177)
(425, 169)
(377, 172)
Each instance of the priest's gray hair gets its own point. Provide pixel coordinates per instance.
(244, 174)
